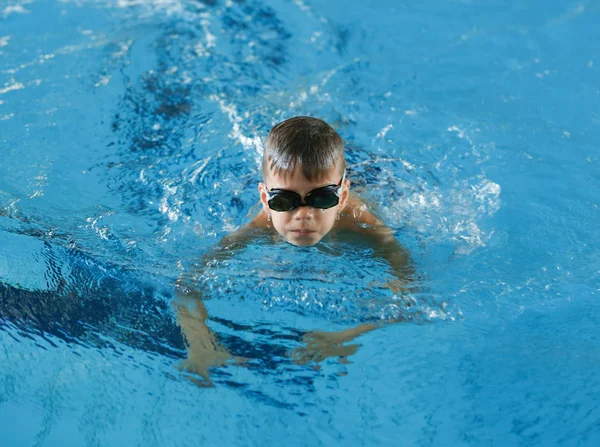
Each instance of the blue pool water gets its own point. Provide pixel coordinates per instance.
(130, 138)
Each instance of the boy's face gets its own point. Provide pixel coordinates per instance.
(305, 225)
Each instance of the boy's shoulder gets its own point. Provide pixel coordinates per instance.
(259, 221)
(358, 212)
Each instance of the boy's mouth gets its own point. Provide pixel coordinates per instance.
(303, 231)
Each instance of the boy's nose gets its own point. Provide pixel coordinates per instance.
(304, 212)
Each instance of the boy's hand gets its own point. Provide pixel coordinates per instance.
(203, 348)
(321, 345)
(200, 365)
(397, 286)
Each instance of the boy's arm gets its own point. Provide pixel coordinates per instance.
(386, 246)
(203, 348)
(357, 218)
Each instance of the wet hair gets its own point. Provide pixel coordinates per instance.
(303, 141)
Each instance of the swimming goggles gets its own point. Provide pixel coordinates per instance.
(322, 198)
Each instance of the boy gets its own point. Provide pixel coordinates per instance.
(305, 197)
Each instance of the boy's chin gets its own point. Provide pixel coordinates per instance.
(304, 241)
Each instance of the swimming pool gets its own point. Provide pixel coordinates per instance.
(130, 139)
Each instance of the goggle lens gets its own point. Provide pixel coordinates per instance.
(283, 202)
(323, 199)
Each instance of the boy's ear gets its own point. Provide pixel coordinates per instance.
(262, 191)
(345, 193)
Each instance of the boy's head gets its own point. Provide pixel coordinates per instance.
(303, 155)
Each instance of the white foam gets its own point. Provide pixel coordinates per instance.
(448, 215)
(11, 87)
(163, 6)
(170, 205)
(15, 9)
(102, 232)
(382, 133)
(198, 168)
(248, 142)
(303, 6)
